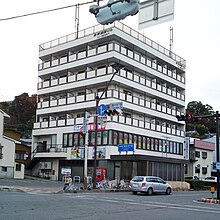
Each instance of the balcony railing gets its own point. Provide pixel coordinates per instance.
(142, 59)
(114, 119)
(101, 28)
(120, 96)
(91, 74)
(49, 148)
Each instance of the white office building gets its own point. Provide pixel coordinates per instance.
(74, 69)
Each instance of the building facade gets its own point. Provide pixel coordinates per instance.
(200, 159)
(9, 166)
(74, 69)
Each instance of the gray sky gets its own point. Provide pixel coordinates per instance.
(196, 38)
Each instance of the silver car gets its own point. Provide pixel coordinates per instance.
(149, 185)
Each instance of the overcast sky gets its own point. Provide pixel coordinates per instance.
(196, 28)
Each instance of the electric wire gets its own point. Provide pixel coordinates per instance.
(45, 11)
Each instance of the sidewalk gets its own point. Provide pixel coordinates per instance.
(38, 185)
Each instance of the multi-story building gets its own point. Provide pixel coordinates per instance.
(200, 159)
(74, 69)
(10, 167)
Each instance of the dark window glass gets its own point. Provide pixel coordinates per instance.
(204, 170)
(197, 154)
(18, 167)
(204, 155)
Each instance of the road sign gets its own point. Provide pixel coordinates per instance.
(116, 105)
(125, 147)
(77, 127)
(217, 165)
(198, 166)
(101, 110)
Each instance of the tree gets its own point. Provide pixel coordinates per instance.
(22, 112)
(198, 108)
(205, 125)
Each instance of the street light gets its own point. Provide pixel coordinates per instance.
(116, 67)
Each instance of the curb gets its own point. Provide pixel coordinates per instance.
(208, 200)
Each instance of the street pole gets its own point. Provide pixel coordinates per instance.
(95, 145)
(116, 67)
(217, 153)
(85, 125)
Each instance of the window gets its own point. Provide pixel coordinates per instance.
(130, 138)
(186, 168)
(99, 138)
(135, 140)
(204, 155)
(4, 169)
(18, 167)
(152, 144)
(121, 139)
(125, 138)
(65, 138)
(197, 154)
(19, 155)
(105, 137)
(53, 140)
(1, 154)
(156, 144)
(144, 143)
(140, 142)
(204, 170)
(115, 138)
(148, 143)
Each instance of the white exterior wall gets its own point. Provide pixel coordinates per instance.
(8, 151)
(147, 119)
(19, 174)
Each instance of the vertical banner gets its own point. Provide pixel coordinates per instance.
(187, 148)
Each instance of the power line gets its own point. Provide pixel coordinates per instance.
(49, 10)
(35, 13)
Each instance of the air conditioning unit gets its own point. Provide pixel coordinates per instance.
(48, 165)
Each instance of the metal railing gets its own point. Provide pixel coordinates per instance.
(120, 26)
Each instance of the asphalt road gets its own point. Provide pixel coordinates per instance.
(109, 206)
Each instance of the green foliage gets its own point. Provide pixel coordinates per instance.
(204, 125)
(196, 184)
(199, 109)
(22, 112)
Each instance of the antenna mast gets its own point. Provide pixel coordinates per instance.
(171, 40)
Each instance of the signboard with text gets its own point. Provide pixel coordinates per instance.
(125, 147)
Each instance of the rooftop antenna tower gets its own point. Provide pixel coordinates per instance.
(77, 14)
(171, 40)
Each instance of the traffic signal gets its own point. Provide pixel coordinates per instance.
(214, 166)
(112, 112)
(187, 118)
(181, 117)
(114, 10)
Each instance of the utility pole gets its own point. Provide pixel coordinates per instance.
(77, 15)
(86, 132)
(217, 152)
(116, 67)
(190, 119)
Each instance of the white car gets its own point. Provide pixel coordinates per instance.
(149, 185)
(211, 179)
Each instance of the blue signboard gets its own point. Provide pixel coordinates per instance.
(101, 110)
(217, 165)
(125, 147)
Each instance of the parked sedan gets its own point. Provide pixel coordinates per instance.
(149, 185)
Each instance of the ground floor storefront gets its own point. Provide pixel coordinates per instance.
(125, 167)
